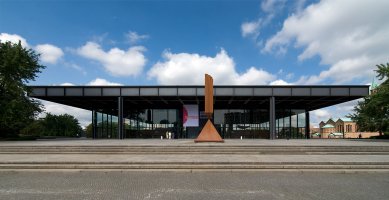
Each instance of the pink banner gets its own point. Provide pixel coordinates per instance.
(190, 115)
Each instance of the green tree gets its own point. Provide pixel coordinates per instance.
(383, 71)
(54, 125)
(18, 66)
(35, 129)
(372, 114)
(61, 125)
(89, 130)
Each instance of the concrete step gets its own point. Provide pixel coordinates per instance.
(195, 166)
(196, 149)
(194, 158)
(215, 152)
(233, 155)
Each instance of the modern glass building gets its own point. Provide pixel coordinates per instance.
(267, 112)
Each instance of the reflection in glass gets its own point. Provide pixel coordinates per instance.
(231, 123)
(237, 123)
(105, 125)
(151, 123)
(290, 124)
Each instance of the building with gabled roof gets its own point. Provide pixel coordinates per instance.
(342, 126)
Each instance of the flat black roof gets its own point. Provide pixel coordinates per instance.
(104, 98)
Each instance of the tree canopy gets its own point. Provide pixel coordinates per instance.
(18, 66)
(54, 125)
(372, 114)
(383, 71)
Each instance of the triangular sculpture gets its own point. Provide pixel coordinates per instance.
(209, 132)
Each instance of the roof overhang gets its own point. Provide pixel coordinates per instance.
(105, 98)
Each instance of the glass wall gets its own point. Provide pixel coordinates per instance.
(290, 123)
(230, 123)
(151, 123)
(237, 123)
(105, 126)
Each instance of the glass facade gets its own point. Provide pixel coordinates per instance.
(151, 123)
(230, 123)
(290, 124)
(237, 123)
(241, 111)
(105, 126)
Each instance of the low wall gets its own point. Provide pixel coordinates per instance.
(349, 135)
(363, 134)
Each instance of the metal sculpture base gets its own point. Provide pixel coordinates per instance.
(209, 134)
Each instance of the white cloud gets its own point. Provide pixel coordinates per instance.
(76, 67)
(253, 76)
(84, 116)
(133, 37)
(319, 115)
(49, 53)
(299, 5)
(346, 108)
(279, 82)
(251, 29)
(289, 76)
(66, 84)
(349, 36)
(100, 81)
(116, 61)
(14, 38)
(188, 69)
(270, 6)
(99, 38)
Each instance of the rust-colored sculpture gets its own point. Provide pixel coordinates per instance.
(209, 132)
(208, 93)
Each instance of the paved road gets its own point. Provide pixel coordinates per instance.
(199, 185)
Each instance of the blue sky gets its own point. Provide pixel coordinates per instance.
(176, 42)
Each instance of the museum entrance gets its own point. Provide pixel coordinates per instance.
(152, 123)
(230, 123)
(241, 123)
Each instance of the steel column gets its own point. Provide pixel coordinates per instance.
(272, 120)
(94, 124)
(307, 125)
(120, 118)
(290, 124)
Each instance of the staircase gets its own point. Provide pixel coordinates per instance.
(191, 157)
(226, 149)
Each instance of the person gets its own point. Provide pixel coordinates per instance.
(360, 136)
(170, 135)
(167, 134)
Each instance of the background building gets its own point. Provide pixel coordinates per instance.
(342, 127)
